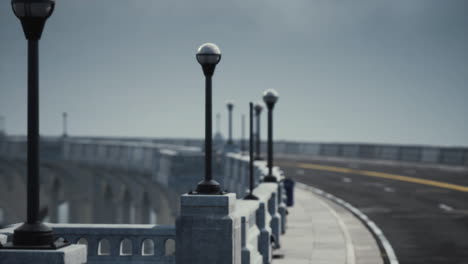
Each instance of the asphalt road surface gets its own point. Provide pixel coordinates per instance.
(422, 209)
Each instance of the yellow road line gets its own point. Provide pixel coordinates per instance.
(390, 176)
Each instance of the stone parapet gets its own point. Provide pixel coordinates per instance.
(250, 231)
(121, 243)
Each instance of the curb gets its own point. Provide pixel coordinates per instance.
(387, 252)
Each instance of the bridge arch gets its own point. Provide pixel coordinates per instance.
(90, 193)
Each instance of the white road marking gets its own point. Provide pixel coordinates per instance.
(300, 172)
(445, 207)
(374, 184)
(347, 180)
(389, 189)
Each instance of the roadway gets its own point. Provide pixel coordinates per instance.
(422, 209)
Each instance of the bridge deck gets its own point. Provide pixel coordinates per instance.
(320, 231)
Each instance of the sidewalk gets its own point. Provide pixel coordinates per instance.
(322, 232)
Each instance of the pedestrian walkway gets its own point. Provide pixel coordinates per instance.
(322, 232)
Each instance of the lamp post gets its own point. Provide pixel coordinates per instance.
(230, 106)
(251, 196)
(33, 15)
(64, 123)
(218, 122)
(2, 125)
(243, 134)
(208, 56)
(258, 110)
(270, 97)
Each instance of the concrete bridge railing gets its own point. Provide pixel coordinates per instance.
(254, 227)
(407, 153)
(449, 155)
(118, 243)
(122, 243)
(446, 155)
(209, 229)
(177, 166)
(16, 146)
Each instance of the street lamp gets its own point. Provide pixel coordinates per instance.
(2, 125)
(243, 134)
(33, 15)
(270, 97)
(258, 110)
(250, 195)
(208, 56)
(64, 123)
(230, 106)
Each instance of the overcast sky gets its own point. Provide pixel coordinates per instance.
(392, 71)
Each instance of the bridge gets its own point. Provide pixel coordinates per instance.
(121, 196)
(365, 72)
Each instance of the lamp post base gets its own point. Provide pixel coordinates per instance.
(208, 187)
(269, 178)
(250, 196)
(34, 236)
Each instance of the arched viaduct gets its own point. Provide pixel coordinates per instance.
(73, 192)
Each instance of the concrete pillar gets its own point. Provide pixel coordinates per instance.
(207, 230)
(73, 254)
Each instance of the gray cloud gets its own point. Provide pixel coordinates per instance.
(369, 71)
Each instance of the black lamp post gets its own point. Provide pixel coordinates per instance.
(2, 125)
(258, 110)
(230, 106)
(250, 195)
(64, 123)
(270, 97)
(243, 134)
(33, 15)
(208, 56)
